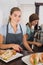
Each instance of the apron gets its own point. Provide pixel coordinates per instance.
(14, 38)
(31, 36)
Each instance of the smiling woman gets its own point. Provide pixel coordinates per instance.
(33, 20)
(14, 33)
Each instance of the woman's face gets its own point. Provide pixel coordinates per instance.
(34, 22)
(16, 16)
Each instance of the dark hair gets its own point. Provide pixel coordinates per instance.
(27, 24)
(12, 10)
(33, 17)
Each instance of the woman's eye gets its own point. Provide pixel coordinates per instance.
(19, 16)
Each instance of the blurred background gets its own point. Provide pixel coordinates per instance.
(27, 7)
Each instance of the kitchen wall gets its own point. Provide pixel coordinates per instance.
(41, 15)
(27, 10)
(5, 6)
(27, 7)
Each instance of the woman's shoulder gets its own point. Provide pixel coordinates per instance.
(27, 27)
(23, 26)
(3, 29)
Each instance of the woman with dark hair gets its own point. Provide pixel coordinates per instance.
(33, 21)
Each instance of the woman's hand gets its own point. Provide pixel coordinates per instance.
(16, 47)
(30, 50)
(38, 44)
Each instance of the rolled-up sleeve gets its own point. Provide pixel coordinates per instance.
(27, 30)
(3, 30)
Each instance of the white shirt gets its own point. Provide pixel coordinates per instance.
(3, 29)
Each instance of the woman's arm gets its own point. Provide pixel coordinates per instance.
(33, 42)
(4, 46)
(14, 46)
(26, 44)
(1, 39)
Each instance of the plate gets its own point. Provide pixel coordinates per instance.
(12, 57)
(26, 60)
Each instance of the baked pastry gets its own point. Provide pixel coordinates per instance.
(41, 57)
(34, 59)
(2, 52)
(8, 54)
(14, 52)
